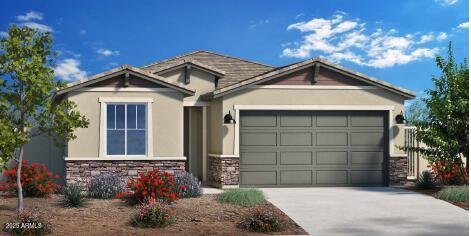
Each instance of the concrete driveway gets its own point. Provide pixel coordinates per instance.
(368, 211)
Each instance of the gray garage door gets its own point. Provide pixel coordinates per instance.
(312, 148)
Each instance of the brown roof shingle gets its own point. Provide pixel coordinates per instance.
(235, 69)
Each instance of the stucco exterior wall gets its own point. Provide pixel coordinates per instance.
(167, 118)
(200, 81)
(260, 96)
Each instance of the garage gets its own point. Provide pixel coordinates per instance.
(313, 148)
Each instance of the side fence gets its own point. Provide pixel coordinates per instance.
(412, 157)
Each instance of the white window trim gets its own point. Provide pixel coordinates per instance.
(237, 109)
(149, 139)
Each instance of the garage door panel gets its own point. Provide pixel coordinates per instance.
(367, 138)
(367, 121)
(366, 177)
(331, 138)
(295, 139)
(312, 148)
(258, 158)
(332, 176)
(296, 158)
(258, 120)
(258, 139)
(295, 120)
(366, 158)
(258, 177)
(331, 120)
(296, 177)
(332, 158)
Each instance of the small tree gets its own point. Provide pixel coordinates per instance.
(416, 111)
(28, 106)
(444, 131)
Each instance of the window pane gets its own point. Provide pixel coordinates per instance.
(115, 142)
(110, 116)
(141, 116)
(131, 116)
(136, 142)
(119, 116)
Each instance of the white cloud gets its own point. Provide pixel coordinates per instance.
(442, 36)
(426, 38)
(83, 32)
(299, 15)
(256, 24)
(39, 27)
(340, 39)
(69, 70)
(464, 25)
(3, 34)
(446, 2)
(31, 15)
(107, 52)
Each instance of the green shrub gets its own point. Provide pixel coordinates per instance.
(245, 197)
(454, 194)
(426, 180)
(261, 220)
(188, 185)
(153, 214)
(73, 196)
(105, 186)
(27, 222)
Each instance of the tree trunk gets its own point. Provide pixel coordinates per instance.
(18, 180)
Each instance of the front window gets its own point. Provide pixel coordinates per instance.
(126, 129)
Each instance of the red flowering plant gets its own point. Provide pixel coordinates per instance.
(450, 173)
(36, 181)
(152, 184)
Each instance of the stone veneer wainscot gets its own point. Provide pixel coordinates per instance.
(80, 172)
(224, 171)
(397, 170)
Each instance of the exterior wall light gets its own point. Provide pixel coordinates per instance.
(400, 119)
(228, 119)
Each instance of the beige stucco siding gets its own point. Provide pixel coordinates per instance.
(167, 118)
(200, 81)
(368, 97)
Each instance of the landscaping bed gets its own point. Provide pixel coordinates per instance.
(434, 193)
(194, 216)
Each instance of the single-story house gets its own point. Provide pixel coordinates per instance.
(234, 122)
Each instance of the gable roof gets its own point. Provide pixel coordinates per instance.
(185, 62)
(121, 70)
(304, 64)
(235, 69)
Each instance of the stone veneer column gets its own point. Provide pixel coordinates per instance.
(80, 172)
(397, 170)
(224, 171)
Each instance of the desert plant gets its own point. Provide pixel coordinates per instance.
(73, 196)
(27, 222)
(245, 197)
(153, 214)
(426, 180)
(105, 186)
(188, 185)
(261, 220)
(36, 181)
(454, 194)
(152, 184)
(450, 173)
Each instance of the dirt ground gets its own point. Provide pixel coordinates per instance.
(433, 192)
(195, 216)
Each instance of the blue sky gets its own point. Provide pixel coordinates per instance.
(391, 40)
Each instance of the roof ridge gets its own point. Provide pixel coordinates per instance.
(206, 51)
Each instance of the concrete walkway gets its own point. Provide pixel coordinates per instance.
(369, 211)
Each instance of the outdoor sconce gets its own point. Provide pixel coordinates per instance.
(400, 119)
(228, 119)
